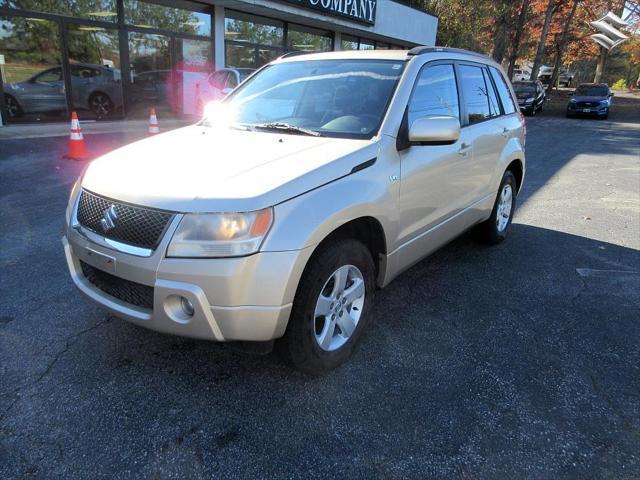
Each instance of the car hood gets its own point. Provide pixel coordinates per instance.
(588, 99)
(204, 169)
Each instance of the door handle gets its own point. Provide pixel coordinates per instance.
(464, 149)
(505, 132)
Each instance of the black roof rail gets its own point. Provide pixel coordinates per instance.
(295, 54)
(421, 50)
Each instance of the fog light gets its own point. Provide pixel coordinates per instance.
(187, 306)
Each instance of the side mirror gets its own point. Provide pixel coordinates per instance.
(570, 94)
(611, 94)
(438, 130)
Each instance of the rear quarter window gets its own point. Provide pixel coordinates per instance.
(503, 91)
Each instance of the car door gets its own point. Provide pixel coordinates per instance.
(435, 178)
(45, 92)
(484, 126)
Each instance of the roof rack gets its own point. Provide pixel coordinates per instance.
(424, 49)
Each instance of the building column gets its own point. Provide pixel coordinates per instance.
(218, 36)
(337, 41)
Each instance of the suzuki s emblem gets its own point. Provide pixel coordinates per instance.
(109, 218)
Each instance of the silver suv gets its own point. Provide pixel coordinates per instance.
(316, 182)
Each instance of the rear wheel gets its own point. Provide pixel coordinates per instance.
(100, 104)
(495, 229)
(331, 307)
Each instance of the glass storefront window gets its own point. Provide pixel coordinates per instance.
(349, 43)
(32, 74)
(251, 42)
(151, 78)
(103, 10)
(307, 39)
(94, 65)
(151, 15)
(366, 44)
(247, 28)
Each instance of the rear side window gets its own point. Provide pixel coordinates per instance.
(503, 91)
(494, 106)
(476, 97)
(435, 93)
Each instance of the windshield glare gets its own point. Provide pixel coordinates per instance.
(343, 98)
(591, 91)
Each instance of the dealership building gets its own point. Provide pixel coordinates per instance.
(110, 59)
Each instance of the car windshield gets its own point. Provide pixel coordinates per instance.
(340, 98)
(524, 87)
(592, 91)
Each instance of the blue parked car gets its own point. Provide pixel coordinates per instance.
(590, 99)
(94, 87)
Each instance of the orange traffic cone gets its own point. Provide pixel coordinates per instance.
(153, 122)
(77, 148)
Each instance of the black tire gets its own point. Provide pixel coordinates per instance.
(11, 106)
(299, 345)
(533, 111)
(488, 232)
(100, 104)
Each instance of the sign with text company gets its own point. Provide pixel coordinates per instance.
(359, 10)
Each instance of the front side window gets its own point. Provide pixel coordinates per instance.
(503, 91)
(317, 96)
(476, 97)
(435, 93)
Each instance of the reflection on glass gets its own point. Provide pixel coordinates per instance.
(94, 57)
(314, 95)
(191, 70)
(150, 65)
(301, 38)
(349, 42)
(258, 31)
(151, 15)
(103, 10)
(366, 44)
(31, 73)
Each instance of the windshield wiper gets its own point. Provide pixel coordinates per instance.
(285, 127)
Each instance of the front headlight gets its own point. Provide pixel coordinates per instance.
(573, 100)
(220, 234)
(530, 100)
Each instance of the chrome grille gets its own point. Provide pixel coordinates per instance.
(130, 292)
(139, 226)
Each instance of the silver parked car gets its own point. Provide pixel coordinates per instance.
(93, 87)
(318, 180)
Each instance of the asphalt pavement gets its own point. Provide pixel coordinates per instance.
(515, 361)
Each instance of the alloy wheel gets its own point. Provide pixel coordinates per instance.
(505, 203)
(100, 104)
(11, 106)
(339, 307)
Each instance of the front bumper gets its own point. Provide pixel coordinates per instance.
(596, 110)
(244, 298)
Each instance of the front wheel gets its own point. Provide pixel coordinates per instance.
(12, 107)
(331, 307)
(494, 230)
